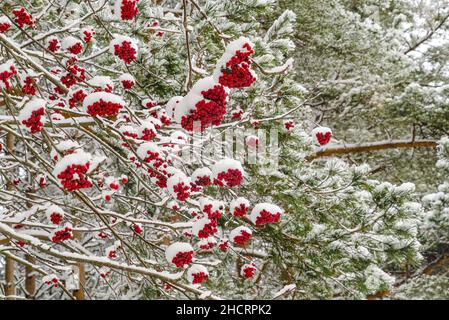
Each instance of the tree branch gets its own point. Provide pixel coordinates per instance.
(370, 147)
(428, 35)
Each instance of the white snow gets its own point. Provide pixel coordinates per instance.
(224, 165)
(105, 96)
(200, 173)
(194, 269)
(30, 106)
(216, 205)
(199, 225)
(174, 180)
(322, 130)
(252, 141)
(376, 278)
(238, 231)
(175, 248)
(146, 125)
(188, 103)
(101, 82)
(126, 77)
(235, 203)
(258, 208)
(284, 290)
(48, 278)
(230, 51)
(172, 104)
(144, 148)
(80, 157)
(4, 20)
(156, 122)
(178, 137)
(69, 42)
(119, 39)
(53, 209)
(128, 129)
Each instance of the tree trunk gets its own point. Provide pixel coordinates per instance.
(9, 263)
(79, 294)
(30, 278)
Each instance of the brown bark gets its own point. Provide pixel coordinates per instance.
(79, 294)
(9, 263)
(30, 278)
(371, 147)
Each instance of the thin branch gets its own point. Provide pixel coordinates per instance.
(370, 147)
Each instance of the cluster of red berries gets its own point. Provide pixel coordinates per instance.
(161, 115)
(105, 274)
(267, 217)
(209, 229)
(56, 218)
(199, 277)
(73, 75)
(210, 110)
(107, 88)
(137, 229)
(128, 9)
(81, 181)
(224, 245)
(183, 258)
(29, 86)
(20, 243)
(62, 235)
(207, 246)
(53, 45)
(203, 181)
(232, 178)
(77, 98)
(54, 282)
(161, 180)
(103, 108)
(182, 191)
(114, 186)
(76, 48)
(125, 52)
(102, 235)
(42, 182)
(154, 158)
(23, 17)
(148, 134)
(289, 125)
(6, 75)
(211, 214)
(34, 122)
(151, 104)
(248, 271)
(237, 114)
(164, 118)
(87, 35)
(130, 134)
(112, 254)
(237, 73)
(4, 26)
(242, 238)
(127, 84)
(241, 210)
(323, 138)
